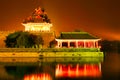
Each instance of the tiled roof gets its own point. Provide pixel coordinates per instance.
(76, 35)
(38, 16)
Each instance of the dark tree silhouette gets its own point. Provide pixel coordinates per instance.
(53, 43)
(11, 39)
(38, 40)
(23, 40)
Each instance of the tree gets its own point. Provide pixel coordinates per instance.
(38, 40)
(25, 40)
(11, 39)
(53, 43)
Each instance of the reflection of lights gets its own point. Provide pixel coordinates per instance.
(37, 77)
(90, 70)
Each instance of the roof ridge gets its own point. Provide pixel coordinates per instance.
(73, 32)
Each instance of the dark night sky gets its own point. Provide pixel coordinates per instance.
(98, 17)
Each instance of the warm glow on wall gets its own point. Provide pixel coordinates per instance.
(86, 70)
(37, 26)
(37, 77)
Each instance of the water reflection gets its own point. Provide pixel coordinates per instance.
(78, 70)
(42, 76)
(50, 68)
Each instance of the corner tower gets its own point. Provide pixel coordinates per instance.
(39, 24)
(38, 21)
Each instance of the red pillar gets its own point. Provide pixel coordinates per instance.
(96, 44)
(84, 44)
(68, 44)
(76, 44)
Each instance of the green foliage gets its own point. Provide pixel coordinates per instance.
(11, 39)
(53, 43)
(23, 40)
(38, 40)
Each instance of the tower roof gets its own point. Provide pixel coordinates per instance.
(38, 16)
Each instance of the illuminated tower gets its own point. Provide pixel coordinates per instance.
(39, 24)
(38, 21)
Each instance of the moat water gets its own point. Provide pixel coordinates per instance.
(107, 68)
